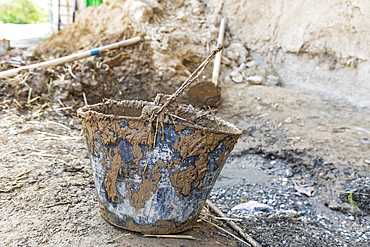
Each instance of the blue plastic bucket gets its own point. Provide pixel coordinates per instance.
(152, 173)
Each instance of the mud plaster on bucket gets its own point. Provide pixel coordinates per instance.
(182, 167)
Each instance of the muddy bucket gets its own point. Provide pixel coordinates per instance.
(152, 173)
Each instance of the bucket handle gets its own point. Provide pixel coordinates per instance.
(191, 78)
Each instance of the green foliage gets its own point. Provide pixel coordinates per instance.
(22, 12)
(350, 198)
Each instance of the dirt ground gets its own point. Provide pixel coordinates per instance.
(47, 192)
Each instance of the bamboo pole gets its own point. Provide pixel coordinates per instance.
(93, 52)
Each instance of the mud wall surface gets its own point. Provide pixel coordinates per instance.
(315, 45)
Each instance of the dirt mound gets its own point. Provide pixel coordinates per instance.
(177, 36)
(94, 26)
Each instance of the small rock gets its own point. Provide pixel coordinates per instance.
(367, 162)
(299, 203)
(232, 55)
(141, 12)
(242, 67)
(255, 80)
(234, 73)
(288, 120)
(303, 188)
(178, 3)
(251, 64)
(197, 7)
(77, 87)
(288, 173)
(272, 80)
(181, 16)
(236, 76)
(61, 90)
(287, 212)
(197, 11)
(253, 207)
(239, 49)
(225, 61)
(157, 7)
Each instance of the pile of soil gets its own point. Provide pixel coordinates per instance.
(177, 36)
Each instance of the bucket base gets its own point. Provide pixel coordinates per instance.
(160, 227)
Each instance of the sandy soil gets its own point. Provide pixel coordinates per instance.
(47, 192)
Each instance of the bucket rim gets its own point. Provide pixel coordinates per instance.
(83, 111)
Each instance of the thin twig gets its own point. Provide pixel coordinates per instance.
(183, 119)
(16, 101)
(64, 108)
(61, 125)
(13, 185)
(61, 103)
(218, 227)
(156, 131)
(233, 225)
(170, 236)
(114, 239)
(56, 204)
(340, 191)
(29, 94)
(25, 172)
(56, 135)
(220, 218)
(85, 100)
(70, 71)
(32, 100)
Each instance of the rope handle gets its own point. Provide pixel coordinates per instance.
(191, 78)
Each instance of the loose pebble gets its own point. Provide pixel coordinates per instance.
(251, 64)
(236, 76)
(255, 80)
(253, 207)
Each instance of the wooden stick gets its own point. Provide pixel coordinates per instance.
(233, 225)
(217, 64)
(218, 227)
(56, 204)
(12, 72)
(114, 239)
